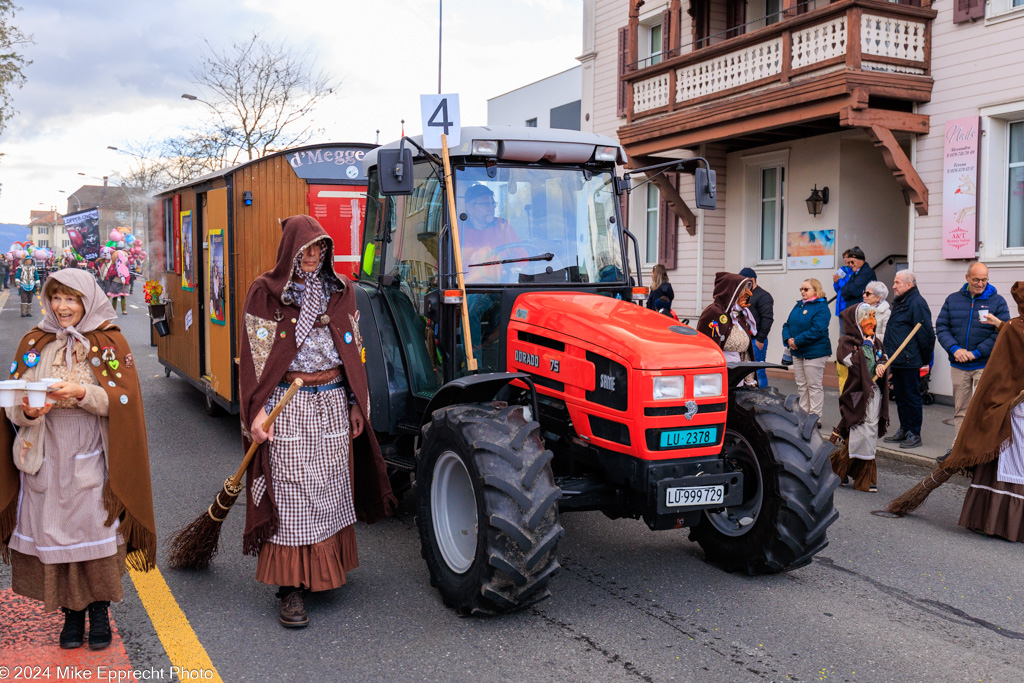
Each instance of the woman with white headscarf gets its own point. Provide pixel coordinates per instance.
(75, 503)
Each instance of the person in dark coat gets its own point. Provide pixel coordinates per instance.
(662, 296)
(762, 305)
(964, 332)
(909, 308)
(805, 332)
(862, 274)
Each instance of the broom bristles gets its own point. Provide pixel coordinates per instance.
(840, 458)
(195, 545)
(915, 497)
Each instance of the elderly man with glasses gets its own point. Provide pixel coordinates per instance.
(967, 329)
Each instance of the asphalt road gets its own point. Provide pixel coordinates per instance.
(916, 599)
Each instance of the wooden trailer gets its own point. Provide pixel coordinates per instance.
(222, 230)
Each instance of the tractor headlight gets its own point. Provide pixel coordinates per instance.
(669, 388)
(485, 148)
(606, 154)
(705, 386)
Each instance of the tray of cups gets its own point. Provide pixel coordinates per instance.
(11, 391)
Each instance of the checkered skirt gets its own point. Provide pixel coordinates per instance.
(310, 461)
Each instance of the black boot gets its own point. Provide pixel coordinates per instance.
(74, 628)
(99, 625)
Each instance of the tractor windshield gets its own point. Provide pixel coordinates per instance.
(537, 225)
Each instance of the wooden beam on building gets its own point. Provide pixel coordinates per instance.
(897, 162)
(903, 122)
(671, 195)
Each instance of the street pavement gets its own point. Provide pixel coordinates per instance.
(913, 599)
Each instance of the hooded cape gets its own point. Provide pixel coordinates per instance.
(853, 401)
(128, 492)
(268, 348)
(986, 430)
(716, 320)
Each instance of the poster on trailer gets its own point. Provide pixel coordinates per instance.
(83, 228)
(188, 277)
(217, 277)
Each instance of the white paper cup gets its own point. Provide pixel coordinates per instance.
(50, 381)
(10, 392)
(982, 314)
(36, 394)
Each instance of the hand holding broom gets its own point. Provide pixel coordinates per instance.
(195, 545)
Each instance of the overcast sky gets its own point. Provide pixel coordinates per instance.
(111, 72)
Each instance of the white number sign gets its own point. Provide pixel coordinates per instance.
(440, 116)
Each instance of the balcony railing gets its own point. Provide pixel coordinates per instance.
(866, 35)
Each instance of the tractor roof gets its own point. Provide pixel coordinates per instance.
(519, 143)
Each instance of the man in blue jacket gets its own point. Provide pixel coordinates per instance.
(966, 334)
(862, 274)
(908, 309)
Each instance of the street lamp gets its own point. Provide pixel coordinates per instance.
(125, 151)
(72, 195)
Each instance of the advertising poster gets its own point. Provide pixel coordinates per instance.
(188, 276)
(176, 220)
(959, 189)
(811, 249)
(83, 228)
(217, 277)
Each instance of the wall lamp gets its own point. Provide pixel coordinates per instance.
(247, 198)
(817, 200)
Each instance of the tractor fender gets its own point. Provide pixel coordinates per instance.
(475, 389)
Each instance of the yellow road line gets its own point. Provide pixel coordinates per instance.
(179, 640)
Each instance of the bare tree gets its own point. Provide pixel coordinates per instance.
(261, 95)
(11, 63)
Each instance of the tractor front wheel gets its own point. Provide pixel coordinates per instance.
(486, 505)
(788, 488)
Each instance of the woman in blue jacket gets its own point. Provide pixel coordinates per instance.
(806, 335)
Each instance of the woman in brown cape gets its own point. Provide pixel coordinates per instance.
(319, 468)
(728, 320)
(864, 401)
(992, 436)
(83, 460)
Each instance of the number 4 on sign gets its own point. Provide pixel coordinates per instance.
(440, 117)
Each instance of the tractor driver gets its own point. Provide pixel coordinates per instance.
(482, 235)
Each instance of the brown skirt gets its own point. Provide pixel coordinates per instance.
(864, 473)
(70, 584)
(993, 507)
(317, 567)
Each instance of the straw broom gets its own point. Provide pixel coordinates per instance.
(840, 457)
(195, 545)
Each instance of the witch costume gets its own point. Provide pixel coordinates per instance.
(991, 439)
(729, 321)
(863, 403)
(309, 485)
(81, 504)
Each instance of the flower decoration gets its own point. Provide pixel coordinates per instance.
(152, 290)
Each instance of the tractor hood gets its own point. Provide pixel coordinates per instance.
(645, 339)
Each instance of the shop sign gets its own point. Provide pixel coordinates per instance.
(960, 188)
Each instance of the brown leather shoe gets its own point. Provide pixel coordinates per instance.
(293, 612)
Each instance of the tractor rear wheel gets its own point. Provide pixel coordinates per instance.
(788, 488)
(486, 508)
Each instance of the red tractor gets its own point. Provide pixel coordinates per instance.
(580, 399)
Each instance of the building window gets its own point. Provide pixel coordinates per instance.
(1015, 188)
(651, 224)
(43, 229)
(771, 229)
(649, 42)
(996, 8)
(65, 244)
(43, 243)
(121, 216)
(531, 123)
(654, 40)
(763, 13)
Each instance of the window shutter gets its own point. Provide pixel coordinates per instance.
(668, 225)
(623, 64)
(699, 11)
(735, 17)
(968, 10)
(666, 35)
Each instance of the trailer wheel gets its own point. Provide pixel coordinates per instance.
(486, 508)
(788, 488)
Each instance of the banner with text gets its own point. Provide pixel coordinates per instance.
(959, 188)
(83, 228)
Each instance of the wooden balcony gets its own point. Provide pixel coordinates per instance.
(854, 63)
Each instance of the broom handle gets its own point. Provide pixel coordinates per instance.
(885, 366)
(295, 386)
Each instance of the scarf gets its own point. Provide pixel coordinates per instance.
(312, 298)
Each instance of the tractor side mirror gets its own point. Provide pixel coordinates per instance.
(395, 171)
(704, 181)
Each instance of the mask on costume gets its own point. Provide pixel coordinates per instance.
(744, 300)
(867, 324)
